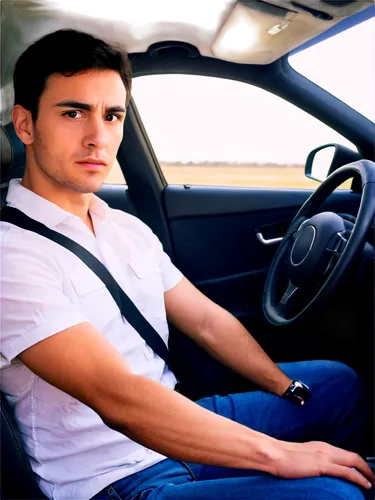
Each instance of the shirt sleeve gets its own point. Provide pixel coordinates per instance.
(170, 275)
(33, 305)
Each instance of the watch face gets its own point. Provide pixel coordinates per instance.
(301, 394)
(299, 399)
(298, 392)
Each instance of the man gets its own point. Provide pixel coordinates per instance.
(95, 405)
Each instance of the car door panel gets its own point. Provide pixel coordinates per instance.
(214, 237)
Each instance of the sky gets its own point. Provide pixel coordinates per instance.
(194, 118)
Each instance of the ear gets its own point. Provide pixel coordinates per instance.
(23, 124)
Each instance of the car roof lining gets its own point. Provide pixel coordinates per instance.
(24, 22)
(258, 15)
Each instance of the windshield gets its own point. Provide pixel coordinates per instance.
(344, 65)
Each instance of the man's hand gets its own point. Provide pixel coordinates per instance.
(312, 459)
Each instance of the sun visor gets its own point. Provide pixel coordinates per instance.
(258, 32)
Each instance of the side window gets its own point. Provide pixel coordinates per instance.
(115, 176)
(211, 131)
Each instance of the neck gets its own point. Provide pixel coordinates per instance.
(72, 201)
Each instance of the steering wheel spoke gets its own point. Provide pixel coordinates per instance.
(336, 247)
(287, 299)
(337, 243)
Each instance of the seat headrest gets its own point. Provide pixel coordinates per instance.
(13, 154)
(6, 152)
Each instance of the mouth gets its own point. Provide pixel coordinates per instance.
(92, 164)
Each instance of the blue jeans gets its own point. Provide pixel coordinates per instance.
(335, 413)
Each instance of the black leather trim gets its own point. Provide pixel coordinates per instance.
(17, 478)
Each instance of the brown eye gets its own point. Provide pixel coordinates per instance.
(72, 114)
(113, 114)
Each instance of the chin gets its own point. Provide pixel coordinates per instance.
(91, 188)
(86, 186)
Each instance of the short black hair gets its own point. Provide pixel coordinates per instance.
(66, 52)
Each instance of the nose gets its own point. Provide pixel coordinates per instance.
(96, 135)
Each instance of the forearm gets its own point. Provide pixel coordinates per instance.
(225, 338)
(169, 423)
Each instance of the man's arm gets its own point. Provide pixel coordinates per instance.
(83, 363)
(223, 336)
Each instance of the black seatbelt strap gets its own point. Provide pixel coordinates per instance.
(128, 310)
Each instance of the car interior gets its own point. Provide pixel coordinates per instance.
(230, 242)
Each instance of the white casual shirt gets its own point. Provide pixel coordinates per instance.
(45, 289)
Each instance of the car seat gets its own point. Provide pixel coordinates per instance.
(17, 480)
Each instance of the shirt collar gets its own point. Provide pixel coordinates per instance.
(45, 211)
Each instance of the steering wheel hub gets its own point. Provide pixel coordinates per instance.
(302, 245)
(310, 253)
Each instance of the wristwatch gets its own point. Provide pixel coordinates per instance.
(298, 393)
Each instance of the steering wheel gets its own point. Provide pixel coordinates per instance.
(317, 251)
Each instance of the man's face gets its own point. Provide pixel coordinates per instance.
(79, 129)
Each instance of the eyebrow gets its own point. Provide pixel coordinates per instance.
(88, 107)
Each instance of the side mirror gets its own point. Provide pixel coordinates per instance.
(324, 160)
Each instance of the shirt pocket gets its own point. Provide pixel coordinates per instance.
(147, 285)
(94, 299)
(143, 267)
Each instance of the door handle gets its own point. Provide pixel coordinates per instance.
(271, 241)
